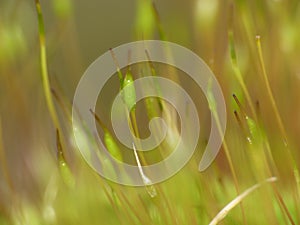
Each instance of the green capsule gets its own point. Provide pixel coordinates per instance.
(112, 146)
(64, 169)
(109, 141)
(66, 173)
(253, 129)
(232, 48)
(129, 95)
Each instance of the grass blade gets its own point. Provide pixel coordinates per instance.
(223, 213)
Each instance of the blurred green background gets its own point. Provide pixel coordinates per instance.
(34, 185)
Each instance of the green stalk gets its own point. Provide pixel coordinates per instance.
(43, 61)
(265, 77)
(120, 75)
(157, 87)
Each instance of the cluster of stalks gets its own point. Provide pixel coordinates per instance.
(247, 186)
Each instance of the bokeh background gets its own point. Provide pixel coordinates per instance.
(77, 32)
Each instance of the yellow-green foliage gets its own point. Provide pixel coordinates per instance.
(253, 49)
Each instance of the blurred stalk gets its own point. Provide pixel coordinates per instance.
(278, 118)
(132, 209)
(260, 165)
(161, 32)
(238, 74)
(269, 91)
(213, 108)
(62, 103)
(114, 205)
(3, 162)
